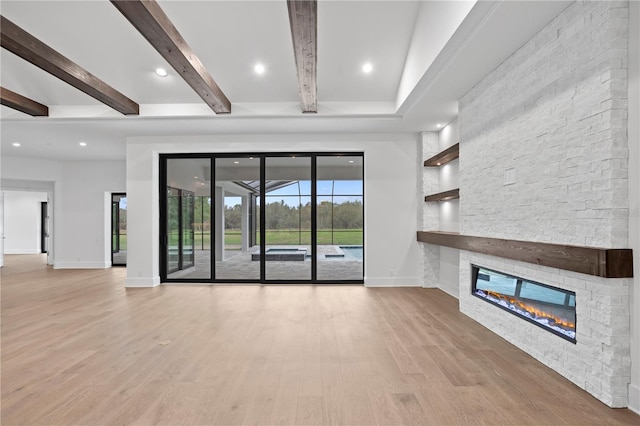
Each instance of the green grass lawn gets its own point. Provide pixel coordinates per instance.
(123, 242)
(280, 237)
(288, 237)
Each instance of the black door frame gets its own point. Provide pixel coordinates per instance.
(181, 221)
(44, 229)
(163, 236)
(116, 222)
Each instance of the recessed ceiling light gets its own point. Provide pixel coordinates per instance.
(82, 144)
(162, 72)
(351, 161)
(16, 144)
(259, 69)
(367, 68)
(236, 162)
(438, 125)
(250, 158)
(195, 177)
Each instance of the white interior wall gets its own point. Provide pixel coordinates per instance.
(36, 186)
(22, 174)
(449, 212)
(22, 221)
(82, 225)
(429, 213)
(634, 196)
(392, 254)
(78, 228)
(436, 22)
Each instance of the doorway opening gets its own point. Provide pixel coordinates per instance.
(44, 227)
(119, 229)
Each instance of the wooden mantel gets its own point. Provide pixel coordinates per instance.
(601, 262)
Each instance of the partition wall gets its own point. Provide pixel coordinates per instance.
(262, 218)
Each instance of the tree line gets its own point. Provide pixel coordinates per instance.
(279, 215)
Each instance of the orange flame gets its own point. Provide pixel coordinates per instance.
(533, 310)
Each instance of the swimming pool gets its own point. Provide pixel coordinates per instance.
(282, 254)
(352, 252)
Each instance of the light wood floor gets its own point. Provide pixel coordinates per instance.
(77, 348)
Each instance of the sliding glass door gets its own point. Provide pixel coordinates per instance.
(340, 217)
(187, 229)
(186, 190)
(237, 194)
(262, 218)
(119, 229)
(173, 230)
(287, 250)
(181, 230)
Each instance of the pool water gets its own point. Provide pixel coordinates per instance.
(352, 252)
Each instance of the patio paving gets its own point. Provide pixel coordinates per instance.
(238, 265)
(120, 258)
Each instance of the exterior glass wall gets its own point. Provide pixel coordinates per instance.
(263, 218)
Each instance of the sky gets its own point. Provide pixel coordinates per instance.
(347, 190)
(343, 190)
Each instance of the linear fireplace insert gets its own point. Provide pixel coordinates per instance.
(551, 308)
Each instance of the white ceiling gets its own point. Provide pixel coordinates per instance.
(230, 37)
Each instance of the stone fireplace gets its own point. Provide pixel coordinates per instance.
(551, 308)
(544, 159)
(599, 359)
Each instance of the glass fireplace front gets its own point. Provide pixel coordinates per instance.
(551, 308)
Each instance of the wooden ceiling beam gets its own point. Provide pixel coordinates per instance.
(20, 103)
(303, 18)
(21, 43)
(151, 21)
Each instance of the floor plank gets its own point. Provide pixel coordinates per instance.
(79, 348)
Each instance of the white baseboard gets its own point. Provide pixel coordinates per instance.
(81, 265)
(140, 282)
(449, 292)
(21, 251)
(634, 398)
(393, 282)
